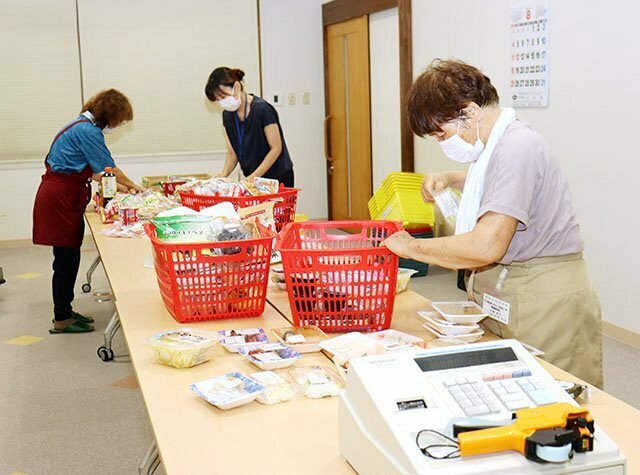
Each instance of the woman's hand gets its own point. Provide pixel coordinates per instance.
(399, 243)
(433, 184)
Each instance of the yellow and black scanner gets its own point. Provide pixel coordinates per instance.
(549, 433)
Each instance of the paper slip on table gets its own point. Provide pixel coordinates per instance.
(299, 436)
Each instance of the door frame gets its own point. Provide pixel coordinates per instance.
(340, 10)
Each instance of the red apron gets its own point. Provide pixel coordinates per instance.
(58, 211)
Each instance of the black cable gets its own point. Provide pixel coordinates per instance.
(427, 450)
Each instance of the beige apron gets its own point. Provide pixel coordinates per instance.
(553, 307)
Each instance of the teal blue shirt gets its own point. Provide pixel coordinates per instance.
(81, 145)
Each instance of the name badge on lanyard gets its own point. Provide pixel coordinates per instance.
(240, 130)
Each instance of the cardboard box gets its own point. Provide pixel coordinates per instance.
(154, 181)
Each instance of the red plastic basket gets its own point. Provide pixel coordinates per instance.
(340, 282)
(197, 284)
(170, 186)
(284, 209)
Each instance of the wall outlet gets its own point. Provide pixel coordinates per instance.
(277, 99)
(306, 98)
(292, 98)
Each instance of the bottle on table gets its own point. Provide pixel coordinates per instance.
(108, 186)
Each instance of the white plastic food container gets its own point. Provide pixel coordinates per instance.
(228, 391)
(231, 340)
(270, 356)
(351, 345)
(404, 276)
(448, 328)
(183, 348)
(467, 338)
(460, 312)
(303, 339)
(276, 388)
(317, 381)
(394, 339)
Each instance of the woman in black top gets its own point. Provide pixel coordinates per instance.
(252, 129)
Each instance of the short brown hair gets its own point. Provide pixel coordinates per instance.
(110, 108)
(443, 91)
(222, 76)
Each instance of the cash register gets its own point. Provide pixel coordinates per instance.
(390, 399)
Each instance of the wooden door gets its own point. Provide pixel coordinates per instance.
(348, 119)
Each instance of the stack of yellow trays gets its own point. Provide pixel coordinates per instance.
(399, 199)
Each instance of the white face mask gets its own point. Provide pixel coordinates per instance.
(107, 130)
(229, 103)
(460, 150)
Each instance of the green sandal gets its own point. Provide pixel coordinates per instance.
(81, 318)
(75, 327)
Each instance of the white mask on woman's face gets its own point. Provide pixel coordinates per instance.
(460, 150)
(229, 103)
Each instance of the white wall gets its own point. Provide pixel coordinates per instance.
(590, 123)
(292, 61)
(19, 182)
(384, 57)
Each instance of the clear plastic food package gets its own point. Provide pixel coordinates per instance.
(394, 339)
(228, 391)
(232, 340)
(317, 381)
(303, 339)
(183, 348)
(404, 276)
(276, 388)
(270, 356)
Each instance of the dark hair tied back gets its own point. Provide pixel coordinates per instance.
(222, 76)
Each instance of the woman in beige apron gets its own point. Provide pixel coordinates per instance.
(516, 226)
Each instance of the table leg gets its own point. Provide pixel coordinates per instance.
(105, 352)
(86, 287)
(151, 460)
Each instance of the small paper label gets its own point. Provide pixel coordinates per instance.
(234, 340)
(267, 357)
(271, 347)
(295, 339)
(497, 309)
(317, 378)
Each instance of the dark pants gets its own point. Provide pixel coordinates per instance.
(66, 262)
(287, 179)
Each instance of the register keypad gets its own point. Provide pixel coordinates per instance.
(487, 394)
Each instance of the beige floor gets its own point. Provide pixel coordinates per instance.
(60, 412)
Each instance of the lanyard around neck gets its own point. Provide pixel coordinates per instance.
(240, 130)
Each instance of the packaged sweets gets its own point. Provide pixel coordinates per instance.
(228, 391)
(232, 340)
(183, 348)
(317, 381)
(303, 339)
(276, 388)
(270, 356)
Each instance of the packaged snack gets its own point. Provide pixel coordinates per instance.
(183, 228)
(317, 381)
(304, 339)
(266, 186)
(270, 356)
(394, 339)
(183, 348)
(119, 230)
(232, 340)
(276, 388)
(448, 202)
(228, 391)
(262, 212)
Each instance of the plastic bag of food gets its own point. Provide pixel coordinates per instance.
(183, 228)
(262, 213)
(317, 381)
(228, 391)
(276, 388)
(266, 186)
(183, 348)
